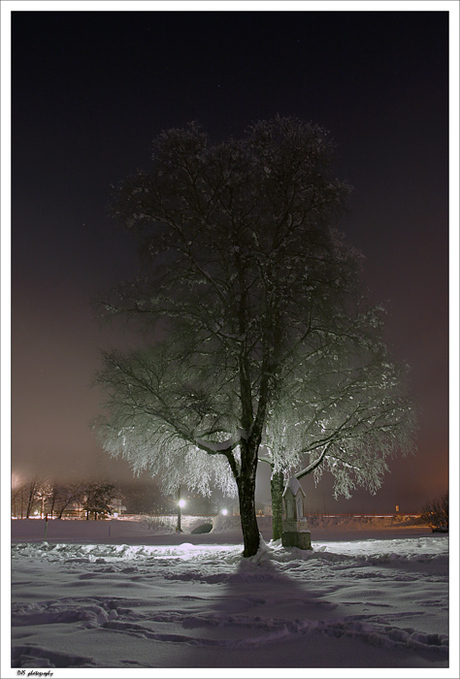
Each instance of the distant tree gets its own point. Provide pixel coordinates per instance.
(436, 514)
(19, 493)
(98, 497)
(43, 493)
(243, 268)
(33, 488)
(64, 494)
(34, 496)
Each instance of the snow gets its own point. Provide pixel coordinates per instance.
(124, 595)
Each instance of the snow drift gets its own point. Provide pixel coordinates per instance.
(130, 603)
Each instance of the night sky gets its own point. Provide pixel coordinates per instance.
(90, 90)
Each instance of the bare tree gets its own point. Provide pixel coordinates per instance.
(64, 494)
(242, 266)
(32, 495)
(44, 493)
(19, 493)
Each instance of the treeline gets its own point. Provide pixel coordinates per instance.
(46, 498)
(42, 496)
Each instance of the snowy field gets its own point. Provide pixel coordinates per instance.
(124, 595)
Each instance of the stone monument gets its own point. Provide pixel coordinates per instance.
(295, 533)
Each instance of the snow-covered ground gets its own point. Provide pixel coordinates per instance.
(128, 595)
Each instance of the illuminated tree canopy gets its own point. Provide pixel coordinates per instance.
(344, 410)
(159, 411)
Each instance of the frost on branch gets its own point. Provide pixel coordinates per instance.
(343, 410)
(161, 424)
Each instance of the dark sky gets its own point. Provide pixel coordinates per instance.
(90, 90)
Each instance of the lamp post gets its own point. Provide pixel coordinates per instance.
(180, 505)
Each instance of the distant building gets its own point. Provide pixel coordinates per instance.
(117, 507)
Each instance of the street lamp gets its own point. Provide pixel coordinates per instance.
(224, 512)
(180, 505)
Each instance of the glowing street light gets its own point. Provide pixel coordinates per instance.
(180, 505)
(224, 512)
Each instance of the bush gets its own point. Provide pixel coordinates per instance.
(436, 514)
(160, 524)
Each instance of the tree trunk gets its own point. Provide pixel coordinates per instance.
(276, 488)
(31, 500)
(53, 502)
(246, 496)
